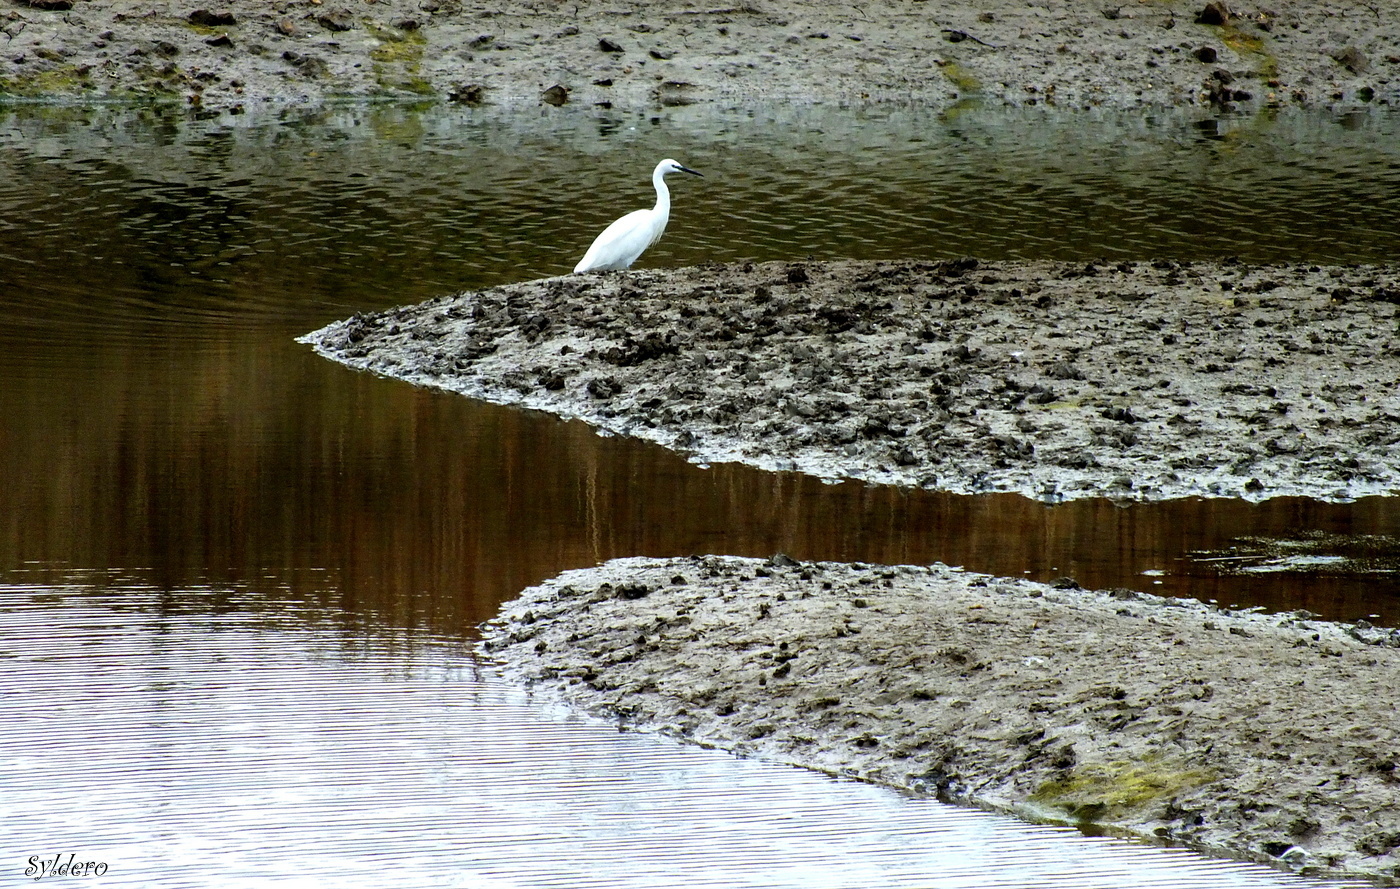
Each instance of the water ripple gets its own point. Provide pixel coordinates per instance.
(259, 747)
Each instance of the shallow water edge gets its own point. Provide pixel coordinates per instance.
(1133, 381)
(1267, 737)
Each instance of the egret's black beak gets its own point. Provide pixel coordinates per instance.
(689, 170)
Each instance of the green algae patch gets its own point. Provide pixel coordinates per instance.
(64, 80)
(1250, 46)
(397, 60)
(1109, 792)
(960, 77)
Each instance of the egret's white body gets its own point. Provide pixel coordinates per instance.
(622, 242)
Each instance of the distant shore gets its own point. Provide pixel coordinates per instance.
(1071, 55)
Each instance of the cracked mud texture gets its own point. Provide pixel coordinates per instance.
(1135, 381)
(637, 56)
(1271, 737)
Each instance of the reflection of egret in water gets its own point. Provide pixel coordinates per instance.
(622, 242)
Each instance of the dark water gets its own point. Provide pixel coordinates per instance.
(174, 464)
(159, 417)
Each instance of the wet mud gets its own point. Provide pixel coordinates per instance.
(1270, 737)
(1136, 381)
(640, 56)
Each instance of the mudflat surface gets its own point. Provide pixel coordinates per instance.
(1272, 737)
(632, 56)
(1133, 381)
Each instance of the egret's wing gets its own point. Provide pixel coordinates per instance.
(620, 243)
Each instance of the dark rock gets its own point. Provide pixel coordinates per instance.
(555, 95)
(51, 5)
(311, 66)
(469, 94)
(482, 41)
(1215, 13)
(603, 387)
(166, 48)
(796, 274)
(956, 267)
(336, 20)
(1206, 54)
(210, 19)
(632, 352)
(631, 591)
(1353, 59)
(607, 45)
(904, 457)
(661, 54)
(220, 40)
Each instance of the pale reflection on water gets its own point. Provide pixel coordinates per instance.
(233, 566)
(227, 741)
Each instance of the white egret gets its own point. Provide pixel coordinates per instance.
(622, 242)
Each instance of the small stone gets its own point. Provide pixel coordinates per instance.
(1215, 13)
(555, 95)
(1206, 54)
(1353, 59)
(208, 19)
(220, 40)
(607, 45)
(336, 20)
(469, 94)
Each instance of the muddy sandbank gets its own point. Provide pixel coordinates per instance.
(1135, 381)
(1271, 737)
(639, 56)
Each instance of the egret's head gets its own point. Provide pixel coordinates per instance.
(670, 166)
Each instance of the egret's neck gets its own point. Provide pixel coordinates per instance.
(663, 194)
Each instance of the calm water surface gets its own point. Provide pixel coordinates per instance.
(241, 582)
(232, 739)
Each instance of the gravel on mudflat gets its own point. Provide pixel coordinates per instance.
(644, 55)
(1271, 737)
(1136, 381)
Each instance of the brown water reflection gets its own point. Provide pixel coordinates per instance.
(158, 418)
(257, 462)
